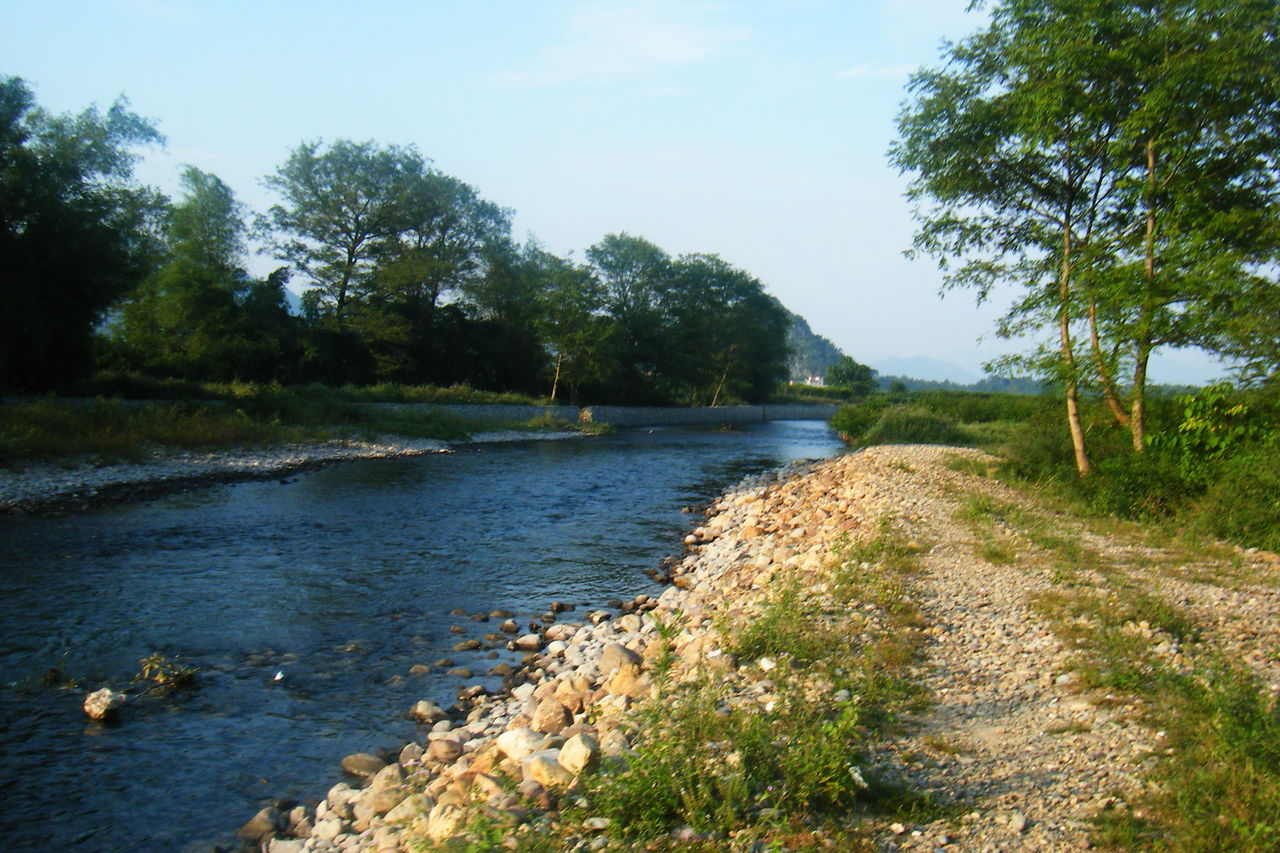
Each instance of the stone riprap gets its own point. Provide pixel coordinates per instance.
(1012, 741)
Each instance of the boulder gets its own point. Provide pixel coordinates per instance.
(363, 764)
(445, 821)
(519, 742)
(615, 656)
(412, 806)
(286, 845)
(427, 712)
(528, 643)
(444, 751)
(101, 704)
(579, 754)
(261, 826)
(550, 716)
(544, 768)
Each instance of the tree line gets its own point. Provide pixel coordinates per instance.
(410, 276)
(1116, 162)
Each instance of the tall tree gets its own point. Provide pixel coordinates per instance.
(76, 232)
(1095, 152)
(201, 316)
(635, 274)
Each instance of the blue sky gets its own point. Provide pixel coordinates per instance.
(753, 130)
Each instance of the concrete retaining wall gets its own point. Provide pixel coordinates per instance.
(625, 416)
(498, 413)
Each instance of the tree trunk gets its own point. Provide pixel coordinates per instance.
(1083, 466)
(1109, 392)
(555, 383)
(1142, 342)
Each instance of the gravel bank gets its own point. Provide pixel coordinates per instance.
(79, 484)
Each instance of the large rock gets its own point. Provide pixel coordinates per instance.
(427, 712)
(445, 821)
(103, 703)
(386, 790)
(363, 764)
(550, 716)
(528, 643)
(411, 807)
(519, 742)
(615, 656)
(261, 826)
(579, 754)
(444, 751)
(544, 768)
(627, 681)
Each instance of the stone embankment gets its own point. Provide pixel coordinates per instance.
(64, 486)
(1022, 754)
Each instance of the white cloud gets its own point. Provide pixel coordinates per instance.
(627, 39)
(876, 70)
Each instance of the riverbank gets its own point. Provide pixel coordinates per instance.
(77, 484)
(887, 650)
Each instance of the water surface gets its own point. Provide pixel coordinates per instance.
(337, 582)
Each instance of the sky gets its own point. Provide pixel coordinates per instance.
(752, 129)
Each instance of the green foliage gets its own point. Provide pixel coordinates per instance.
(75, 232)
(914, 425)
(846, 373)
(1214, 424)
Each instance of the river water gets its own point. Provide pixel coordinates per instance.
(304, 604)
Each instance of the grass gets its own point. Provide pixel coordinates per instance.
(1215, 784)
(110, 430)
(789, 766)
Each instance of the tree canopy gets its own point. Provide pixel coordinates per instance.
(1117, 161)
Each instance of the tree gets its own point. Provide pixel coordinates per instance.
(1095, 153)
(200, 315)
(859, 379)
(635, 274)
(75, 232)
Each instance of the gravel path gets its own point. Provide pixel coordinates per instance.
(1012, 742)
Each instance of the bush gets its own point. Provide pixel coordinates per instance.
(914, 425)
(1242, 503)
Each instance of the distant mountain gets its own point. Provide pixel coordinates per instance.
(924, 367)
(811, 354)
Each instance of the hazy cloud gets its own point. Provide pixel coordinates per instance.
(625, 39)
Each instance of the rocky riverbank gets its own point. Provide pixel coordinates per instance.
(72, 485)
(888, 578)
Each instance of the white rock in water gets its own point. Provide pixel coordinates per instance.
(101, 703)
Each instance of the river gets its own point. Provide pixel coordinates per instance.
(304, 604)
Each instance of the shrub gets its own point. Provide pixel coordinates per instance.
(914, 425)
(1242, 501)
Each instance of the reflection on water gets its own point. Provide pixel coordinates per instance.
(340, 582)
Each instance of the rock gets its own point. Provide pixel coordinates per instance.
(363, 764)
(509, 627)
(627, 681)
(427, 712)
(445, 821)
(327, 830)
(1017, 823)
(103, 703)
(419, 669)
(444, 751)
(544, 768)
(262, 825)
(560, 607)
(579, 754)
(616, 655)
(411, 807)
(519, 742)
(528, 643)
(286, 845)
(410, 754)
(467, 646)
(630, 622)
(387, 790)
(550, 716)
